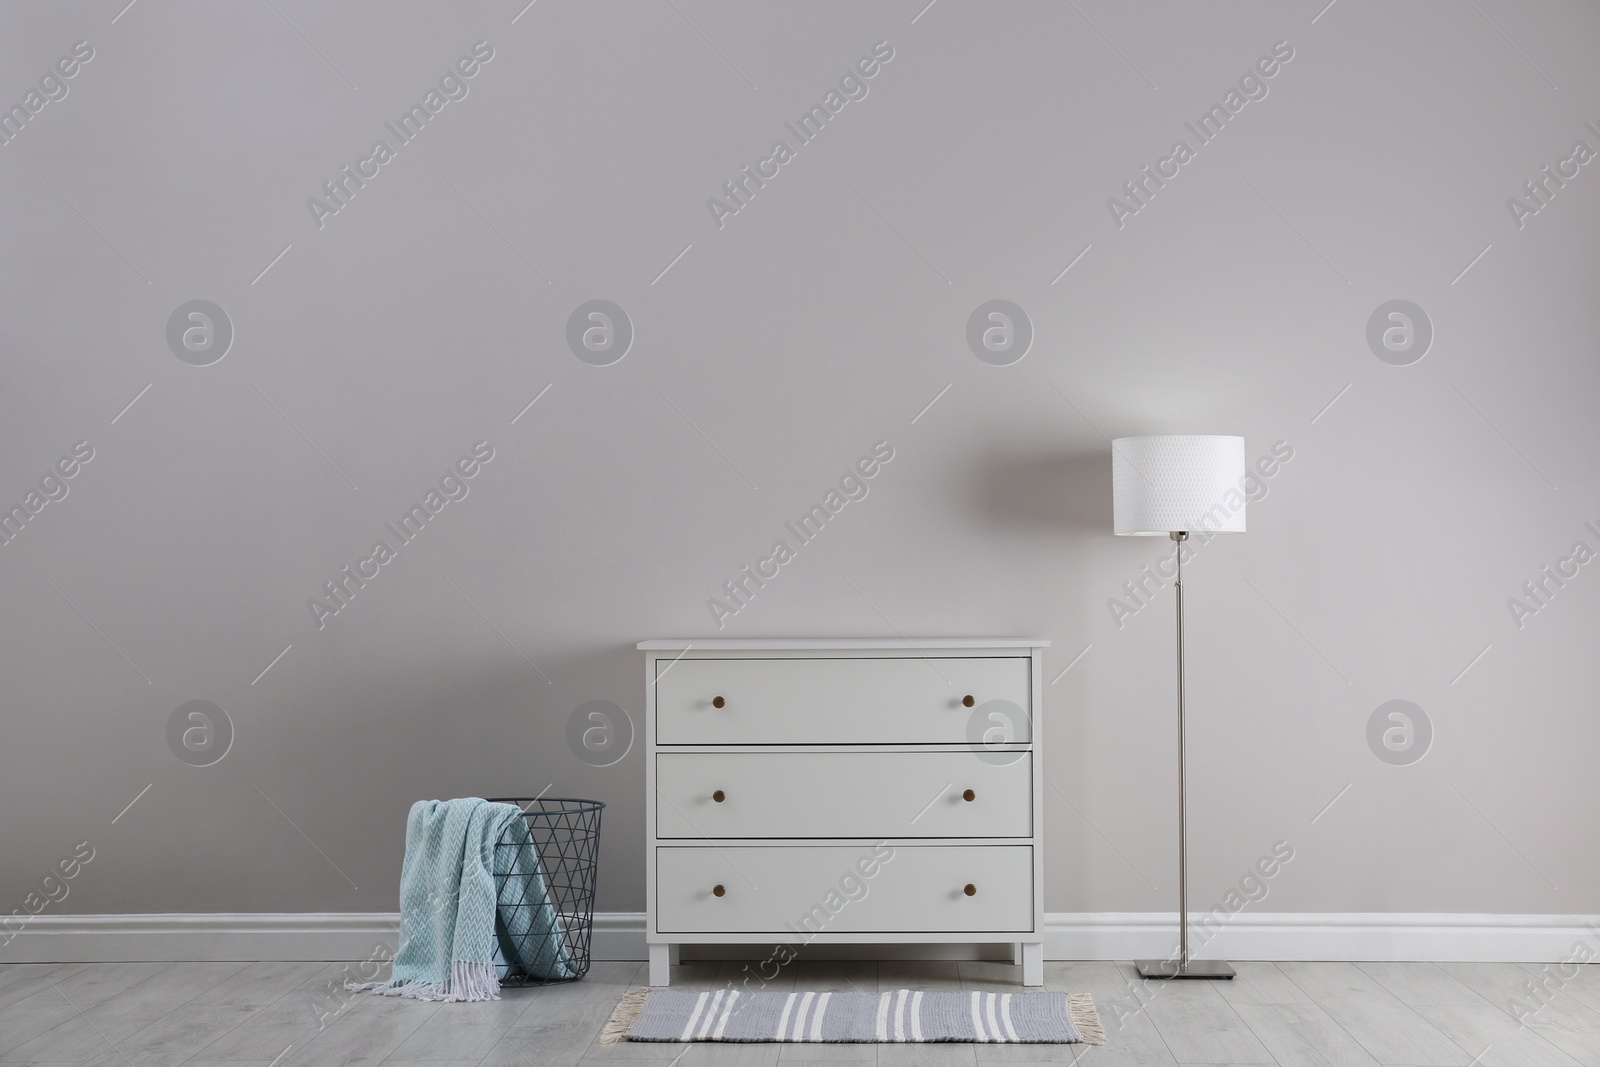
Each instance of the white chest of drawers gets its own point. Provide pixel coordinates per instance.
(843, 791)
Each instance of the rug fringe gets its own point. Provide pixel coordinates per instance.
(1085, 1019)
(627, 1013)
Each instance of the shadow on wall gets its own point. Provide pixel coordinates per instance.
(1064, 498)
(1047, 491)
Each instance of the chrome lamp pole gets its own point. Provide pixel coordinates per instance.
(1183, 966)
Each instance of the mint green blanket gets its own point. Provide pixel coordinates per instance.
(459, 933)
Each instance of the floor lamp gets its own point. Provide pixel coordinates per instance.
(1174, 485)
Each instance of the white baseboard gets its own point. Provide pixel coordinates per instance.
(223, 937)
(215, 937)
(1358, 936)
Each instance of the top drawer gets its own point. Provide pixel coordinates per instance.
(843, 701)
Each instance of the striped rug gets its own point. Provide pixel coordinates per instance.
(902, 1015)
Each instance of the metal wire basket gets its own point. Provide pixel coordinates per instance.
(565, 835)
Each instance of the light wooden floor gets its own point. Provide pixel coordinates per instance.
(1351, 1015)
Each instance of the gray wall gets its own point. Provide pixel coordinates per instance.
(824, 316)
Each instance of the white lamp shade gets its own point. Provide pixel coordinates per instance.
(1178, 482)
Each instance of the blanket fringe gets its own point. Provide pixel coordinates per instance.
(1085, 1019)
(622, 1020)
(469, 981)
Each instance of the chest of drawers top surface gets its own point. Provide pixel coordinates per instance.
(910, 647)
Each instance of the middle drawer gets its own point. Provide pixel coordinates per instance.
(843, 794)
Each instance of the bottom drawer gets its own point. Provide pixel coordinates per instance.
(865, 888)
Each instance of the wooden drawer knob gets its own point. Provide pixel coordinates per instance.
(718, 702)
(967, 701)
(969, 795)
(719, 796)
(719, 891)
(969, 889)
